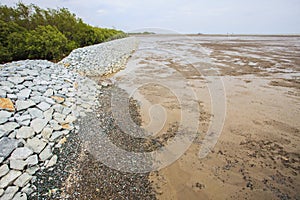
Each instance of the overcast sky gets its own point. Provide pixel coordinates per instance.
(190, 16)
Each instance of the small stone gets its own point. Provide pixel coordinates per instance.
(38, 124)
(56, 134)
(70, 119)
(20, 196)
(58, 99)
(4, 116)
(54, 125)
(46, 133)
(23, 180)
(25, 132)
(10, 193)
(23, 118)
(36, 113)
(43, 106)
(66, 126)
(21, 153)
(6, 104)
(9, 126)
(1, 192)
(27, 189)
(48, 114)
(4, 170)
(32, 160)
(36, 144)
(16, 80)
(24, 94)
(49, 93)
(46, 153)
(24, 104)
(17, 164)
(52, 161)
(12, 96)
(9, 178)
(32, 170)
(60, 118)
(7, 146)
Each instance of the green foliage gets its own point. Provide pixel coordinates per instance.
(27, 31)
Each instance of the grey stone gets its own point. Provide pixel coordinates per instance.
(32, 170)
(56, 134)
(32, 160)
(43, 106)
(70, 119)
(2, 93)
(48, 114)
(1, 192)
(7, 145)
(47, 132)
(25, 123)
(17, 164)
(9, 178)
(10, 193)
(12, 96)
(52, 161)
(25, 132)
(21, 153)
(54, 125)
(16, 80)
(23, 118)
(38, 124)
(60, 118)
(49, 92)
(4, 170)
(24, 104)
(24, 94)
(28, 189)
(49, 100)
(20, 196)
(36, 144)
(9, 126)
(46, 153)
(4, 116)
(23, 180)
(36, 113)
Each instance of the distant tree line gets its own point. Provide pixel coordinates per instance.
(29, 32)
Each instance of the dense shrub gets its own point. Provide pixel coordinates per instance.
(27, 31)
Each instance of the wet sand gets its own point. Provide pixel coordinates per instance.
(257, 154)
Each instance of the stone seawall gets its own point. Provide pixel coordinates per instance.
(40, 103)
(101, 59)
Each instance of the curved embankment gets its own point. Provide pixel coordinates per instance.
(39, 104)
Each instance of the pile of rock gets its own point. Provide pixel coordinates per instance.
(39, 103)
(102, 58)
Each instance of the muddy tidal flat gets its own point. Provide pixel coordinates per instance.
(252, 113)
